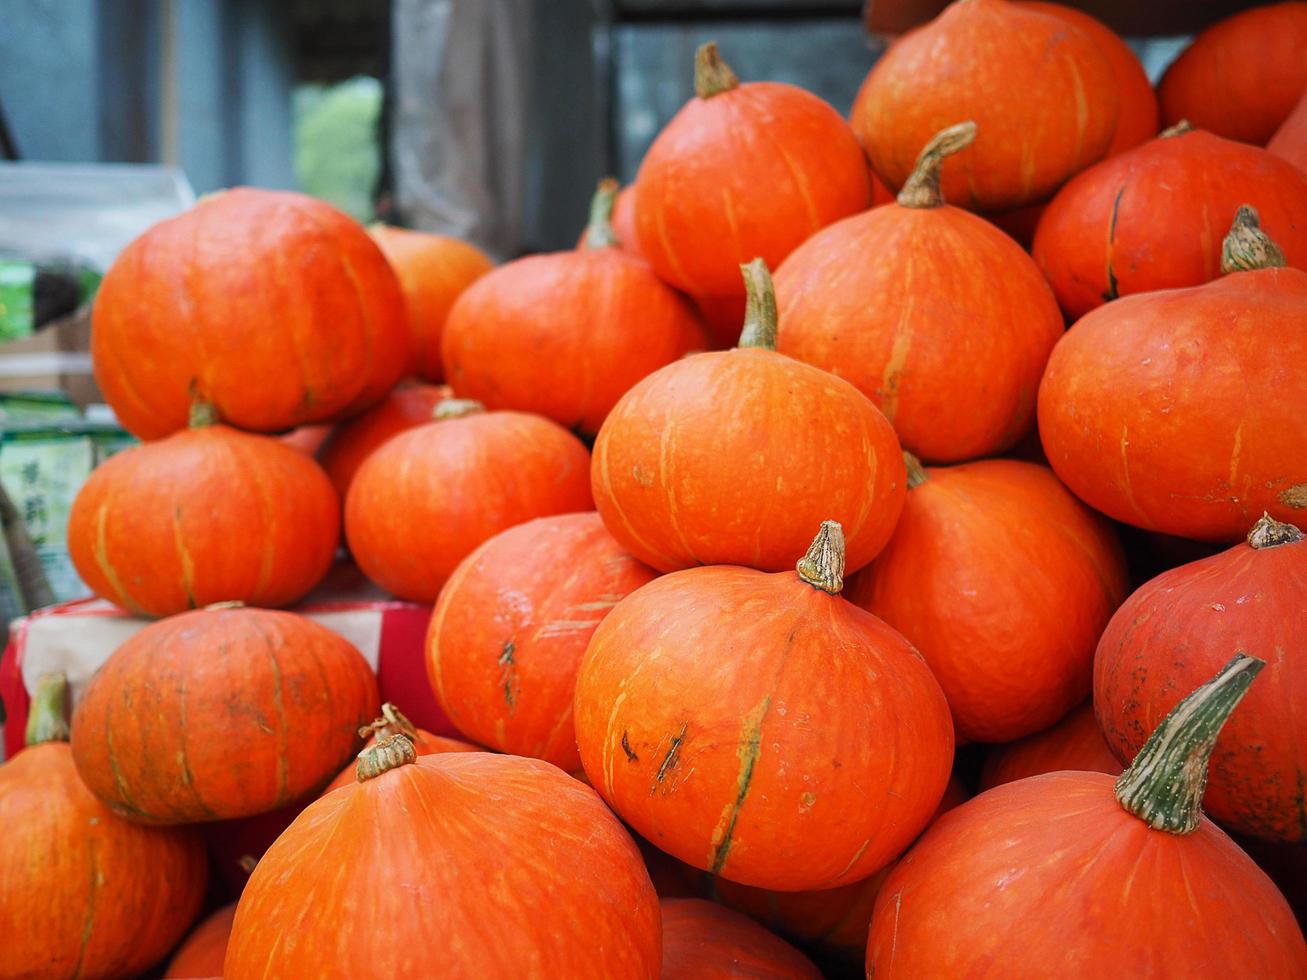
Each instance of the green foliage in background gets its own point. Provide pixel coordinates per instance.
(337, 154)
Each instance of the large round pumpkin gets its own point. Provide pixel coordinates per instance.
(202, 953)
(1154, 218)
(565, 335)
(533, 595)
(1083, 876)
(392, 722)
(461, 865)
(1074, 743)
(428, 497)
(273, 307)
(1179, 628)
(221, 713)
(760, 727)
(1003, 581)
(931, 312)
(735, 456)
(83, 893)
(703, 941)
(433, 270)
(1041, 92)
(207, 515)
(1242, 76)
(742, 171)
(1181, 410)
(1290, 140)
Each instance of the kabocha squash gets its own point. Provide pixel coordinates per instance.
(1083, 876)
(433, 270)
(1154, 218)
(1074, 744)
(428, 497)
(1178, 628)
(221, 713)
(273, 307)
(1242, 76)
(743, 170)
(1181, 410)
(1003, 581)
(84, 894)
(565, 335)
(734, 457)
(469, 865)
(393, 722)
(1290, 140)
(512, 624)
(208, 515)
(1041, 92)
(202, 953)
(760, 727)
(931, 312)
(703, 941)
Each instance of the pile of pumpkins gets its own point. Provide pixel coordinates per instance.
(725, 569)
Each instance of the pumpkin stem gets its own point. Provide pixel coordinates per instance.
(712, 76)
(759, 308)
(1164, 785)
(392, 720)
(47, 719)
(599, 232)
(1270, 533)
(1247, 247)
(922, 187)
(456, 408)
(917, 474)
(390, 753)
(823, 566)
(202, 415)
(1179, 129)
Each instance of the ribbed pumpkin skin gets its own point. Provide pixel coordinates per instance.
(427, 498)
(703, 941)
(274, 307)
(464, 866)
(221, 713)
(734, 457)
(512, 624)
(565, 335)
(433, 270)
(1242, 76)
(1181, 411)
(146, 884)
(406, 407)
(1169, 637)
(425, 743)
(1074, 744)
(1290, 140)
(744, 174)
(1004, 582)
(202, 953)
(932, 313)
(1042, 94)
(153, 529)
(1154, 218)
(759, 728)
(1051, 874)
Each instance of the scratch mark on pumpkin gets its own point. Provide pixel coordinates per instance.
(1295, 496)
(561, 626)
(750, 747)
(89, 925)
(1112, 291)
(1234, 456)
(669, 760)
(508, 675)
(184, 556)
(122, 597)
(630, 752)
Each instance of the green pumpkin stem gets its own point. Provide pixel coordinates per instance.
(387, 754)
(823, 565)
(922, 187)
(1270, 533)
(760, 321)
(392, 720)
(47, 718)
(202, 415)
(1247, 247)
(712, 76)
(1179, 129)
(917, 474)
(457, 408)
(1164, 786)
(599, 232)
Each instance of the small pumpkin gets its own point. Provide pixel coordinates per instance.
(734, 456)
(703, 941)
(152, 528)
(512, 624)
(1290, 140)
(1073, 744)
(478, 865)
(1088, 872)
(220, 713)
(393, 721)
(202, 953)
(424, 500)
(85, 893)
(697, 708)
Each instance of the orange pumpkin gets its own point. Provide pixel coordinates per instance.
(734, 456)
(1004, 582)
(1073, 744)
(433, 271)
(1197, 393)
(207, 515)
(703, 941)
(931, 312)
(428, 497)
(202, 953)
(1290, 140)
(697, 709)
(534, 594)
(393, 721)
(220, 713)
(469, 865)
(273, 307)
